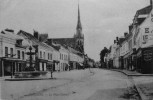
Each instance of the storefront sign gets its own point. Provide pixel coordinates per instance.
(148, 55)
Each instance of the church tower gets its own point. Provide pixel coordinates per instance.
(79, 37)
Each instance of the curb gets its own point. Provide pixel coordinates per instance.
(27, 79)
(142, 96)
(132, 74)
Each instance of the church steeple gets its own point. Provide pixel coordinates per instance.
(79, 26)
(79, 37)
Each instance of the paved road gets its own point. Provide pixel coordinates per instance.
(100, 85)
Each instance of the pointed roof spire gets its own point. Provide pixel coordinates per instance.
(79, 26)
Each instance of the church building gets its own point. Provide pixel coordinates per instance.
(76, 42)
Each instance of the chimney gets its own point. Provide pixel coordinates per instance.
(130, 28)
(125, 34)
(9, 30)
(49, 41)
(116, 38)
(114, 41)
(36, 34)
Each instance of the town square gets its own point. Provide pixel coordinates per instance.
(76, 49)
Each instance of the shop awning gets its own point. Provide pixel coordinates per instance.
(43, 60)
(55, 61)
(68, 64)
(80, 64)
(49, 62)
(126, 56)
(13, 59)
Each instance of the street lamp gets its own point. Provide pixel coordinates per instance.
(30, 53)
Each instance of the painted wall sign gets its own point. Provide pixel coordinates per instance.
(148, 55)
(146, 30)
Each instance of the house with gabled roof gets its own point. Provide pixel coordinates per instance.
(43, 52)
(144, 44)
(12, 53)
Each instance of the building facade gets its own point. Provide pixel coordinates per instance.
(135, 49)
(43, 57)
(12, 53)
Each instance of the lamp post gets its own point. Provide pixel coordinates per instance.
(30, 53)
(52, 68)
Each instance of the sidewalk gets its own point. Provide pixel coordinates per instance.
(131, 73)
(142, 82)
(5, 77)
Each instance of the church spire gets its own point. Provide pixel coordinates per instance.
(79, 26)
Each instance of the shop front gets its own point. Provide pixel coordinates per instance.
(121, 62)
(55, 64)
(11, 65)
(42, 65)
(1, 68)
(134, 59)
(145, 60)
(126, 61)
(50, 66)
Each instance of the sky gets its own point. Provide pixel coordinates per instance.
(102, 20)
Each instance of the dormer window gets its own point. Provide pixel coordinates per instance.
(19, 42)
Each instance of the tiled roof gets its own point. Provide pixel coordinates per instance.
(145, 10)
(9, 34)
(73, 50)
(43, 37)
(64, 41)
(141, 14)
(34, 40)
(121, 40)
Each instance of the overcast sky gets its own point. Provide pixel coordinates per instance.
(102, 20)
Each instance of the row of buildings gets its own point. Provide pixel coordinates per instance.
(22, 50)
(16, 50)
(134, 50)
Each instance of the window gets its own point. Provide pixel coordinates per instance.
(60, 56)
(6, 51)
(40, 54)
(11, 52)
(48, 56)
(44, 55)
(18, 52)
(23, 55)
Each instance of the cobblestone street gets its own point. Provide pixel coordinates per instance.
(74, 85)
